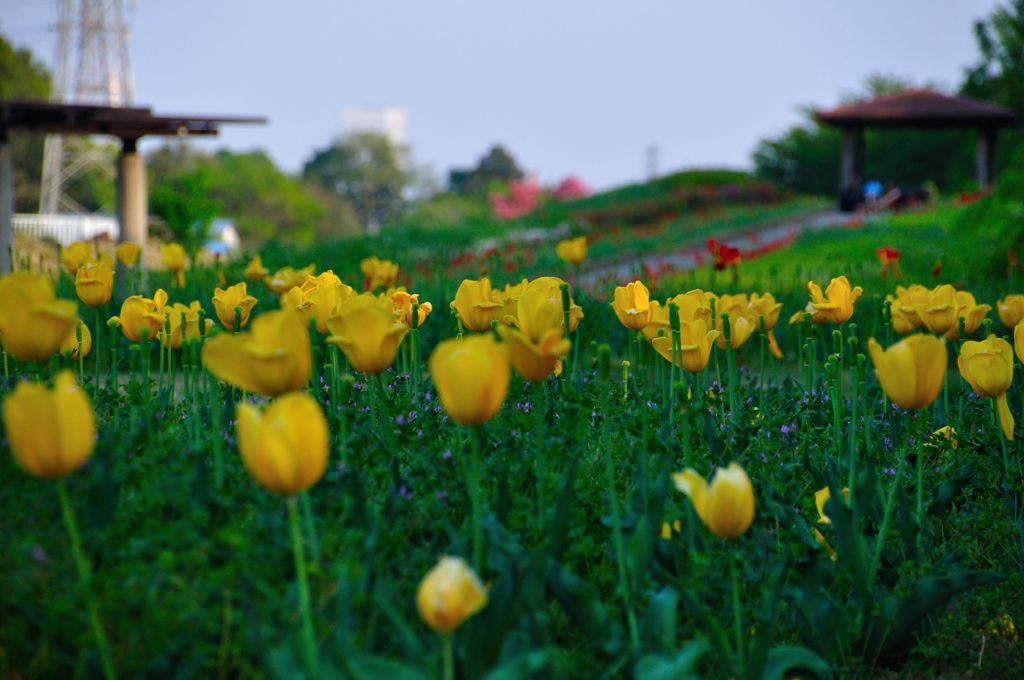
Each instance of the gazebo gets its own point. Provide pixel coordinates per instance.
(917, 109)
(128, 124)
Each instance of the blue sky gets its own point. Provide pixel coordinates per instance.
(570, 87)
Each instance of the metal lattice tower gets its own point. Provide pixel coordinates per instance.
(90, 66)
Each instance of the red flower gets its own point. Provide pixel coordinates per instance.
(890, 259)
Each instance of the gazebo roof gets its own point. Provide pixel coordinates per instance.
(119, 121)
(919, 108)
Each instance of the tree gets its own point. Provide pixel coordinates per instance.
(185, 205)
(496, 167)
(22, 77)
(366, 171)
(999, 74)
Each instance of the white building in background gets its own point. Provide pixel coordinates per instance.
(389, 121)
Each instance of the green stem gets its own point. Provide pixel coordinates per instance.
(84, 578)
(887, 516)
(448, 657)
(308, 638)
(737, 614)
(473, 488)
(620, 555)
(96, 356)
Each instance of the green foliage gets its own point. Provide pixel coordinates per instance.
(22, 77)
(496, 167)
(185, 207)
(999, 74)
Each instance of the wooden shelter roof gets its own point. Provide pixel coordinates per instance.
(919, 108)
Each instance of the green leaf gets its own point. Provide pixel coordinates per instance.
(784, 659)
(679, 667)
(659, 625)
(523, 666)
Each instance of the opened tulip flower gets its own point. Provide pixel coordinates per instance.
(632, 305)
(323, 297)
(988, 367)
(286, 278)
(1011, 310)
(272, 358)
(51, 432)
(696, 343)
(449, 594)
(904, 305)
(174, 259)
(378, 272)
(72, 347)
(538, 345)
(741, 324)
(471, 375)
(179, 315)
(549, 282)
(834, 306)
(225, 301)
(141, 317)
(912, 370)
(726, 506)
(659, 324)
(33, 322)
(572, 251)
(821, 497)
(368, 331)
(766, 306)
(285, 447)
(94, 283)
(403, 302)
(75, 255)
(254, 270)
(128, 253)
(478, 304)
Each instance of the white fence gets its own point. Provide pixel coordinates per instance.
(66, 229)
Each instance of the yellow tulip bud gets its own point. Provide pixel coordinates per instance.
(821, 497)
(632, 305)
(226, 300)
(178, 314)
(478, 304)
(766, 306)
(836, 304)
(988, 367)
(140, 316)
(173, 255)
(726, 506)
(1011, 310)
(449, 594)
(71, 347)
(912, 370)
(285, 447)
(33, 322)
(740, 330)
(535, 361)
(254, 270)
(323, 297)
(75, 255)
(128, 253)
(94, 283)
(471, 376)
(272, 358)
(51, 432)
(573, 251)
(379, 272)
(368, 331)
(696, 343)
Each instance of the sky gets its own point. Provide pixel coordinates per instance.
(570, 87)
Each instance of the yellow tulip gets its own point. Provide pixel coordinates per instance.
(403, 301)
(94, 283)
(285, 447)
(535, 360)
(51, 432)
(696, 343)
(449, 594)
(970, 311)
(766, 306)
(141, 315)
(178, 313)
(471, 375)
(478, 304)
(379, 272)
(286, 278)
(1018, 340)
(174, 259)
(75, 255)
(225, 300)
(33, 322)
(938, 309)
(293, 300)
(510, 298)
(834, 306)
(254, 270)
(1011, 310)
(912, 370)
(821, 497)
(658, 325)
(549, 282)
(368, 331)
(322, 298)
(573, 251)
(272, 358)
(741, 324)
(70, 347)
(726, 506)
(128, 253)
(988, 367)
(632, 305)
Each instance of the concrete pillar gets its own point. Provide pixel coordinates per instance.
(985, 162)
(851, 159)
(6, 203)
(132, 196)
